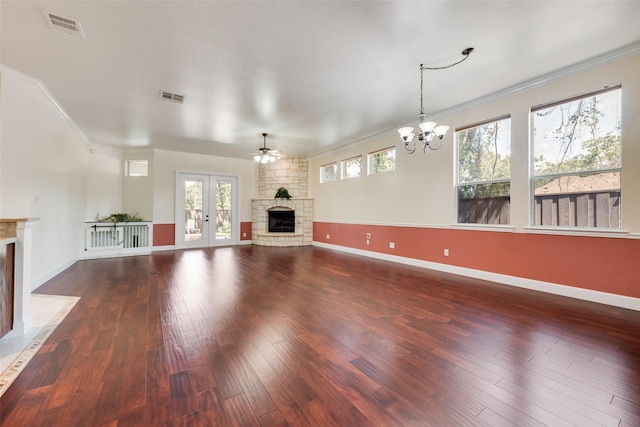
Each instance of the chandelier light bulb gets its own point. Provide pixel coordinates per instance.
(441, 131)
(406, 134)
(428, 130)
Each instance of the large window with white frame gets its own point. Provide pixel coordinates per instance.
(382, 161)
(352, 168)
(576, 148)
(328, 172)
(484, 172)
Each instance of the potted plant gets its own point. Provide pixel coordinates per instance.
(282, 193)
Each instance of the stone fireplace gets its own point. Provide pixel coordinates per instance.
(282, 222)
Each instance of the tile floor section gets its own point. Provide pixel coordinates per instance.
(16, 351)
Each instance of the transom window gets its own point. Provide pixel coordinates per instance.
(136, 168)
(352, 168)
(328, 172)
(577, 161)
(382, 161)
(484, 171)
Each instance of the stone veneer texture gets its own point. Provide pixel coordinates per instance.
(292, 174)
(260, 218)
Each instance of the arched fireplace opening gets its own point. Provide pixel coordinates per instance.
(282, 221)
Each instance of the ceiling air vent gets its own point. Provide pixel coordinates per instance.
(172, 97)
(66, 25)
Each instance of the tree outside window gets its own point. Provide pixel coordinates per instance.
(382, 161)
(329, 172)
(484, 171)
(352, 168)
(577, 161)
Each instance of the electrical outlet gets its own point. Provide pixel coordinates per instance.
(392, 245)
(367, 242)
(446, 252)
(244, 234)
(328, 236)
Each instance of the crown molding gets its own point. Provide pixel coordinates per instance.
(604, 59)
(49, 96)
(598, 61)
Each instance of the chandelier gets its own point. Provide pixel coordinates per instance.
(266, 155)
(429, 133)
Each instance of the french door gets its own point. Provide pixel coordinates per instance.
(206, 213)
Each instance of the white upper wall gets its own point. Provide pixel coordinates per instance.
(166, 163)
(43, 167)
(422, 189)
(137, 192)
(104, 182)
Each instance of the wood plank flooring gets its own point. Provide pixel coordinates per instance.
(259, 336)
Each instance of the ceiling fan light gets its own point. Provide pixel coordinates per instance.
(267, 155)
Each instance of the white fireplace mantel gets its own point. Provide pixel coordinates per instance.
(20, 232)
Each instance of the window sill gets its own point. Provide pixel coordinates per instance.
(582, 232)
(484, 227)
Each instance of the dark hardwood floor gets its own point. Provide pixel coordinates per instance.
(247, 336)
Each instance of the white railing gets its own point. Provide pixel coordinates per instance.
(119, 239)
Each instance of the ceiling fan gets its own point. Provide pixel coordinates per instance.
(266, 154)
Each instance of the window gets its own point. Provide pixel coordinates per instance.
(577, 161)
(484, 171)
(352, 168)
(136, 168)
(382, 161)
(329, 172)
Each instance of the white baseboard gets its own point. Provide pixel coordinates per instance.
(536, 285)
(35, 284)
(20, 328)
(163, 248)
(113, 253)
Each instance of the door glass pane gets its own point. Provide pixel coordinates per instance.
(192, 210)
(223, 209)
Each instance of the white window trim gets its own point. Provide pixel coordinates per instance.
(322, 181)
(343, 175)
(373, 153)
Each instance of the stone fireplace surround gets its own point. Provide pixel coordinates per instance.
(293, 174)
(303, 234)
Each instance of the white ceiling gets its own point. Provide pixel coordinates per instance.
(315, 75)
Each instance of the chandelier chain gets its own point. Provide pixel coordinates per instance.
(421, 91)
(465, 52)
(429, 134)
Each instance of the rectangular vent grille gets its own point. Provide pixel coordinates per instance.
(66, 25)
(172, 97)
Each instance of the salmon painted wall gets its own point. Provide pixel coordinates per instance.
(596, 263)
(164, 234)
(245, 230)
(415, 206)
